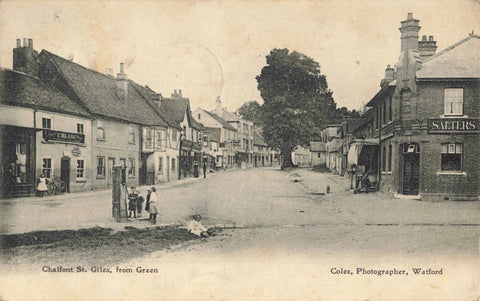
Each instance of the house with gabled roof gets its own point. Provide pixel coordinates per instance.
(228, 135)
(426, 118)
(43, 130)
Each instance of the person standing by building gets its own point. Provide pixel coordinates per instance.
(153, 205)
(147, 204)
(204, 169)
(42, 184)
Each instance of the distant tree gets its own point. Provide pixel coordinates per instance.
(251, 110)
(297, 101)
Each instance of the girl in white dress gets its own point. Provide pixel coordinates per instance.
(42, 184)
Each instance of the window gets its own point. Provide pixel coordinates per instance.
(160, 165)
(80, 128)
(319, 155)
(101, 167)
(123, 162)
(80, 169)
(199, 116)
(390, 157)
(46, 123)
(131, 134)
(390, 112)
(131, 167)
(148, 138)
(453, 102)
(384, 158)
(173, 164)
(47, 167)
(100, 130)
(384, 113)
(452, 156)
(174, 134)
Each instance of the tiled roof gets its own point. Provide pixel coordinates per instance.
(354, 123)
(461, 60)
(160, 111)
(197, 125)
(214, 133)
(175, 108)
(100, 95)
(17, 88)
(334, 145)
(222, 121)
(317, 146)
(258, 139)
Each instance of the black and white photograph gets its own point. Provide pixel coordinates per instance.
(240, 150)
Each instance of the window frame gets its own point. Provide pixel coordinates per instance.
(45, 118)
(50, 170)
(131, 167)
(452, 102)
(101, 166)
(83, 128)
(83, 169)
(131, 134)
(100, 127)
(451, 152)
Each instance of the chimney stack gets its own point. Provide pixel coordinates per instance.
(122, 82)
(180, 93)
(218, 106)
(427, 48)
(389, 76)
(25, 58)
(409, 33)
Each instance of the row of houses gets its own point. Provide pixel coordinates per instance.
(62, 119)
(420, 134)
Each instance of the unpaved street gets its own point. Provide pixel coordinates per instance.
(282, 237)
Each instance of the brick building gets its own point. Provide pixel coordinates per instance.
(426, 118)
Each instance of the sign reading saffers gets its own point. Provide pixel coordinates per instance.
(63, 136)
(453, 125)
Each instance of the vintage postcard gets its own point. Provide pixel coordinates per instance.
(239, 150)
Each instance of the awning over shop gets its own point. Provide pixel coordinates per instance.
(356, 149)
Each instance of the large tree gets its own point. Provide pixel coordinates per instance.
(297, 101)
(251, 110)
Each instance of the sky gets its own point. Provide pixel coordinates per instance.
(217, 48)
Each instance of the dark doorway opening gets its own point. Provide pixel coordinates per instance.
(65, 172)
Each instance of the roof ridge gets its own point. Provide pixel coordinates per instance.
(451, 47)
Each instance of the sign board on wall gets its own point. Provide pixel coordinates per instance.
(452, 125)
(50, 135)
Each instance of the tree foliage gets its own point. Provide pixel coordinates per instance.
(297, 101)
(251, 110)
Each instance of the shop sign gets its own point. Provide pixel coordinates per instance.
(452, 125)
(50, 135)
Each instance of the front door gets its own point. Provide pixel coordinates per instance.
(65, 172)
(411, 173)
(167, 166)
(111, 163)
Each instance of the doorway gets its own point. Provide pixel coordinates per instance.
(411, 173)
(65, 172)
(111, 163)
(167, 166)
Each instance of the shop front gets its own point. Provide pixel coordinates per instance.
(362, 164)
(18, 161)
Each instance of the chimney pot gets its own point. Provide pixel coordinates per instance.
(30, 43)
(121, 68)
(430, 38)
(424, 38)
(410, 16)
(24, 42)
(180, 93)
(19, 43)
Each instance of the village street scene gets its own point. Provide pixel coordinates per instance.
(196, 172)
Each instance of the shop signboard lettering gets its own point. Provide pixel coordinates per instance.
(453, 125)
(50, 135)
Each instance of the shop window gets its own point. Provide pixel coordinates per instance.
(390, 157)
(452, 156)
(80, 128)
(101, 167)
(131, 167)
(80, 169)
(100, 130)
(47, 167)
(173, 164)
(46, 123)
(160, 165)
(131, 134)
(453, 102)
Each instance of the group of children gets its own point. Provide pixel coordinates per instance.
(135, 204)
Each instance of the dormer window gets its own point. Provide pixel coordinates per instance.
(453, 102)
